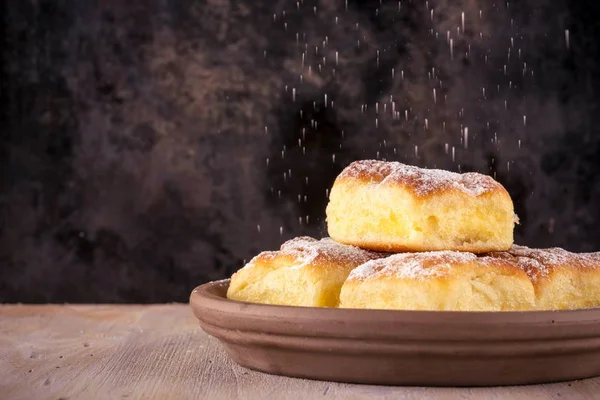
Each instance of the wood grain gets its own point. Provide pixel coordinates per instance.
(159, 352)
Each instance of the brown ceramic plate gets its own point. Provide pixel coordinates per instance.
(425, 348)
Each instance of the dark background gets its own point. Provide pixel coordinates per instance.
(149, 146)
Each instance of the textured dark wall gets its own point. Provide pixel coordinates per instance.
(150, 146)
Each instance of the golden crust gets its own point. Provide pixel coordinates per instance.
(323, 273)
(389, 206)
(442, 281)
(562, 280)
(304, 272)
(420, 182)
(520, 279)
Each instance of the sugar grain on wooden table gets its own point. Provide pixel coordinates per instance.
(159, 352)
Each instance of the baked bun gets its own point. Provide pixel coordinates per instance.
(304, 272)
(562, 280)
(441, 281)
(389, 206)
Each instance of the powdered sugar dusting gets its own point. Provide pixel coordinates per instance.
(533, 268)
(264, 256)
(539, 263)
(412, 265)
(306, 251)
(550, 257)
(422, 181)
(367, 269)
(555, 256)
(590, 260)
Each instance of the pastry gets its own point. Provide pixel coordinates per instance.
(393, 207)
(304, 272)
(440, 281)
(562, 280)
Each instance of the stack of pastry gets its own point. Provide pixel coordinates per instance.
(408, 238)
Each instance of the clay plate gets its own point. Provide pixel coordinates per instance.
(423, 348)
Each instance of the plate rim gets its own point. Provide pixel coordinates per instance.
(218, 311)
(338, 344)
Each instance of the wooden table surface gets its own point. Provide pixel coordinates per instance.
(159, 352)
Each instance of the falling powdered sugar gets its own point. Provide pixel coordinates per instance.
(421, 180)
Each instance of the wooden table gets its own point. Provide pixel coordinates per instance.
(159, 352)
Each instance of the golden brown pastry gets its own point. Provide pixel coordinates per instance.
(562, 280)
(441, 281)
(304, 272)
(389, 206)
